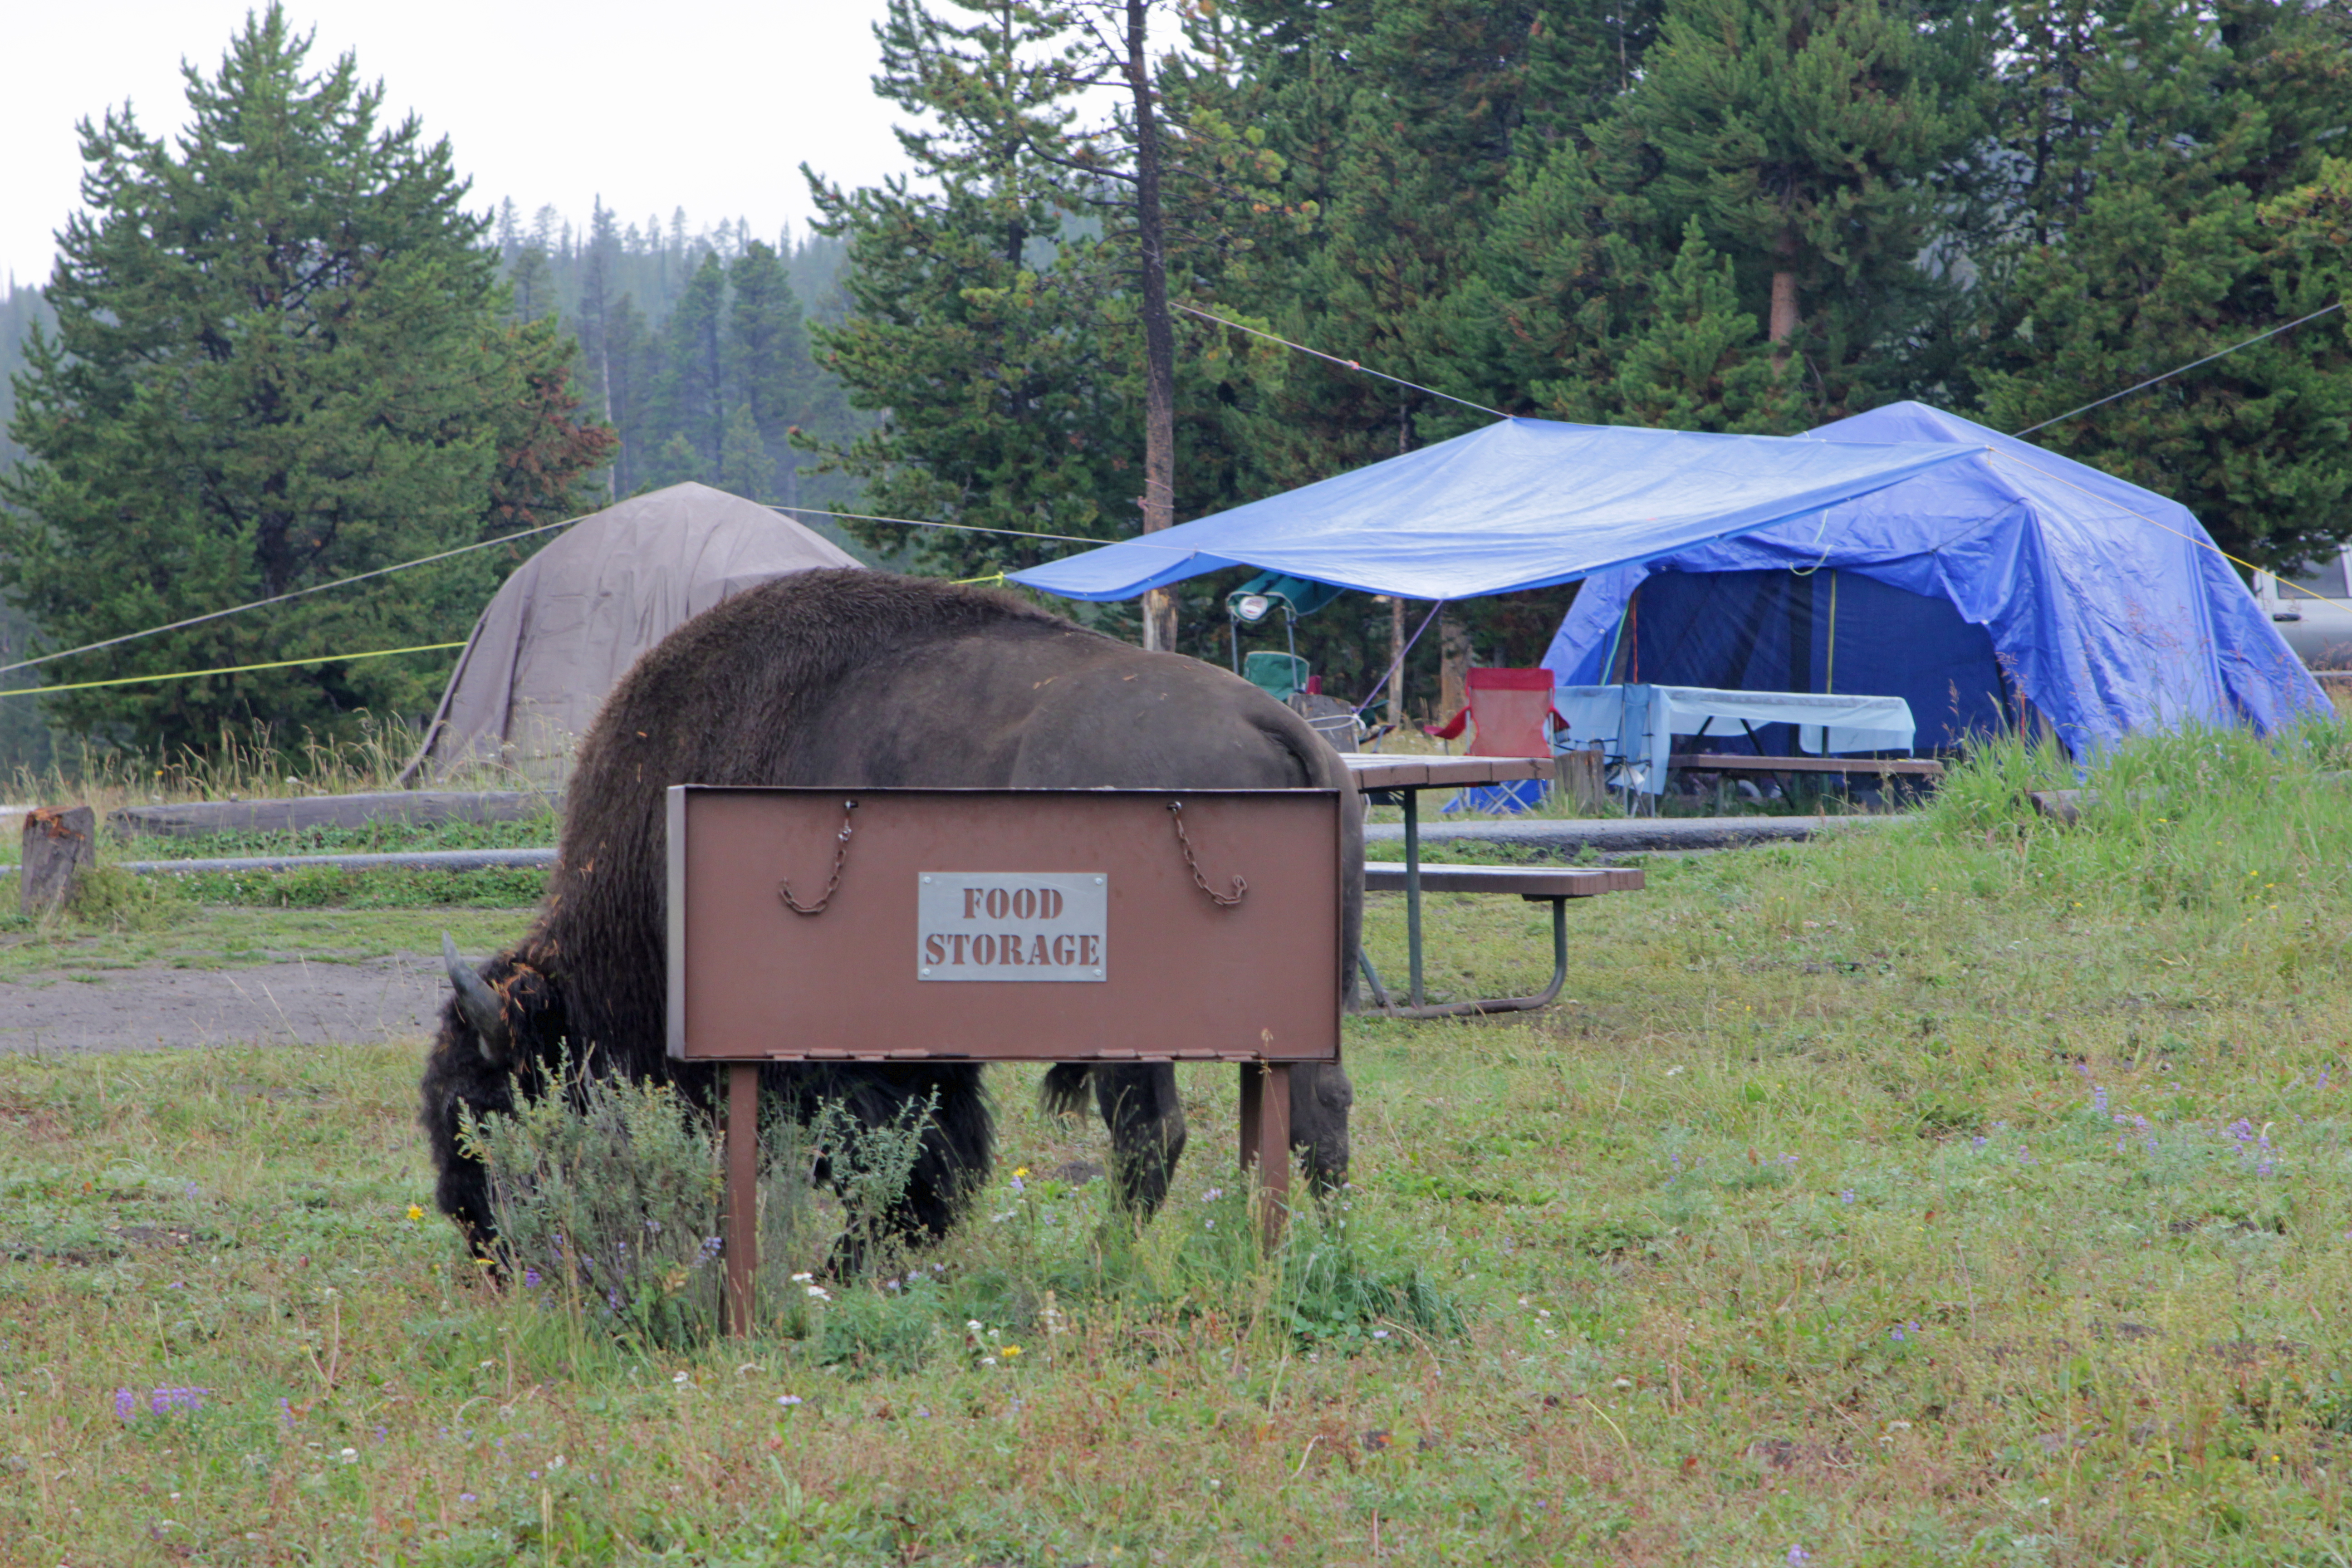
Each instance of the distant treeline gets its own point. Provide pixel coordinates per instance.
(693, 344)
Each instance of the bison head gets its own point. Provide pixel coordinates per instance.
(502, 1023)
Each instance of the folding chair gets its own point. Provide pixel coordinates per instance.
(1509, 715)
(1276, 674)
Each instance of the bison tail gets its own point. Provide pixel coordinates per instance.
(1064, 1092)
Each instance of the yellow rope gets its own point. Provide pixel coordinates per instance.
(231, 669)
(968, 581)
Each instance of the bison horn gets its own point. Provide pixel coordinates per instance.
(476, 1003)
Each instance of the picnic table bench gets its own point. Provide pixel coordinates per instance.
(1399, 780)
(1553, 885)
(1743, 762)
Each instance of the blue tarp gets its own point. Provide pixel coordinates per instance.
(1526, 503)
(1966, 567)
(2105, 605)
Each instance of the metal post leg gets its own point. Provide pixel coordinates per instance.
(1379, 992)
(1412, 893)
(740, 1226)
(1265, 1144)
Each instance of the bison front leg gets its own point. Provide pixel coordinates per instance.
(1146, 1118)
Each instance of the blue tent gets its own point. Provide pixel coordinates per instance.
(2016, 574)
(1904, 552)
(1523, 504)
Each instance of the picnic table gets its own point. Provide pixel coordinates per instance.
(1400, 781)
(1637, 724)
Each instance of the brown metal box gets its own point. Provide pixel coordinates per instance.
(1084, 934)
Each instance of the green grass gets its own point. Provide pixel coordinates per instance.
(1809, 1222)
(186, 936)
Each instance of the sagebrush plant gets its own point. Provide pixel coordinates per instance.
(607, 1194)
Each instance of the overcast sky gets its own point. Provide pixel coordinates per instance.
(711, 107)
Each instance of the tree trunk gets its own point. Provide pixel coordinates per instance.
(1784, 297)
(1396, 661)
(59, 845)
(1159, 336)
(1452, 665)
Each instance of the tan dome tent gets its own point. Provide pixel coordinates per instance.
(571, 620)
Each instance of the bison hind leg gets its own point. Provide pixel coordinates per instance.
(1146, 1118)
(1064, 1092)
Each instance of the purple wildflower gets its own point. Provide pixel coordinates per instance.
(1896, 1335)
(467, 1496)
(1978, 1141)
(2099, 1097)
(1846, 1196)
(529, 1277)
(126, 1404)
(1798, 1557)
(788, 1400)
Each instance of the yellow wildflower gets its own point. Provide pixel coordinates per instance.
(416, 1212)
(1021, 1171)
(1009, 1351)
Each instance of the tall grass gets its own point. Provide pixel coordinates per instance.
(249, 761)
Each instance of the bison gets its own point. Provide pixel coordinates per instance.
(859, 679)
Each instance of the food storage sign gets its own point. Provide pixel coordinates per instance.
(1012, 925)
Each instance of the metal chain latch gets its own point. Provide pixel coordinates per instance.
(1184, 842)
(840, 854)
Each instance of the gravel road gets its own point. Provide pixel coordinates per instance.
(161, 1008)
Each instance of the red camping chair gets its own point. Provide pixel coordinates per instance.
(1510, 710)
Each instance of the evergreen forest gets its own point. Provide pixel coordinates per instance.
(1057, 325)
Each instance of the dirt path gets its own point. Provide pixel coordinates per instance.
(161, 1008)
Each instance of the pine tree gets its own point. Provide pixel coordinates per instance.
(768, 373)
(279, 362)
(981, 324)
(1697, 363)
(745, 468)
(1801, 136)
(691, 397)
(2176, 176)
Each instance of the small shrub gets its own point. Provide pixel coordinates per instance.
(607, 1198)
(112, 897)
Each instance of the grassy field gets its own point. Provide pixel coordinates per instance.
(1973, 1192)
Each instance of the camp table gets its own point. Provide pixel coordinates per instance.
(1642, 720)
(1399, 781)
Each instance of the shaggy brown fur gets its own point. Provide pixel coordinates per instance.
(862, 680)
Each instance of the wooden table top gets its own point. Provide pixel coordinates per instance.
(1375, 770)
(1528, 881)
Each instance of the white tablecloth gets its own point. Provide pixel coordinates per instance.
(1639, 723)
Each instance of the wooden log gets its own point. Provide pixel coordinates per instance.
(60, 843)
(417, 808)
(1578, 775)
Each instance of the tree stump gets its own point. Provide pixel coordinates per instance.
(61, 843)
(1580, 776)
